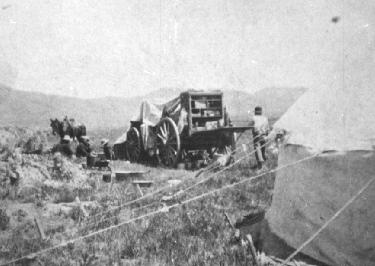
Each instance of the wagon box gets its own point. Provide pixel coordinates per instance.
(196, 120)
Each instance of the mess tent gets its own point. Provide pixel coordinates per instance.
(338, 126)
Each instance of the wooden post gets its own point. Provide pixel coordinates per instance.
(228, 220)
(138, 189)
(113, 175)
(237, 232)
(40, 228)
(97, 183)
(252, 249)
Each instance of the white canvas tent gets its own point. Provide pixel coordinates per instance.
(332, 119)
(339, 125)
(337, 121)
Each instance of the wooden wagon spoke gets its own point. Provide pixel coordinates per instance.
(165, 133)
(160, 136)
(162, 132)
(171, 149)
(165, 129)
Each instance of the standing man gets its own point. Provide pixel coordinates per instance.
(260, 132)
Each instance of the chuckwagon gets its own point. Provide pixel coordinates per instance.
(194, 121)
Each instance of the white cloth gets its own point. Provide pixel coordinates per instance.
(261, 125)
(182, 120)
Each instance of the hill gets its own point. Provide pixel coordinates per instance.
(30, 109)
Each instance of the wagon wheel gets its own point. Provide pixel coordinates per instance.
(169, 142)
(133, 147)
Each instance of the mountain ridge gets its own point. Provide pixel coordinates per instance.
(34, 109)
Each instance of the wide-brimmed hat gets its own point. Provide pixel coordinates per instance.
(67, 138)
(104, 141)
(85, 138)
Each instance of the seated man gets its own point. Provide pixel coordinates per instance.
(83, 148)
(64, 147)
(91, 159)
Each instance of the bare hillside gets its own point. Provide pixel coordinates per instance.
(31, 109)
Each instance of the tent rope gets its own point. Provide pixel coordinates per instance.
(308, 241)
(114, 216)
(164, 209)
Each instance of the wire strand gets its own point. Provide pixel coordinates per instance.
(183, 191)
(174, 186)
(224, 169)
(161, 210)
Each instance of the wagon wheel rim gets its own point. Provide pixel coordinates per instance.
(168, 142)
(133, 147)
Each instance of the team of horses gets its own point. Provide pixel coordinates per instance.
(67, 127)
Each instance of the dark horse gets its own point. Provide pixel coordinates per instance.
(65, 127)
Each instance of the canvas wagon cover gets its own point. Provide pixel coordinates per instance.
(121, 139)
(150, 113)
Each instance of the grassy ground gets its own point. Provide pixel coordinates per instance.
(192, 234)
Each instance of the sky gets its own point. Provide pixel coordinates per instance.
(97, 48)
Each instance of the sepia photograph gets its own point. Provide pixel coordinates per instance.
(187, 132)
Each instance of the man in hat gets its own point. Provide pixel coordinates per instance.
(91, 159)
(260, 131)
(64, 147)
(83, 148)
(106, 149)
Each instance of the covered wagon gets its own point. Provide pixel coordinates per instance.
(194, 121)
